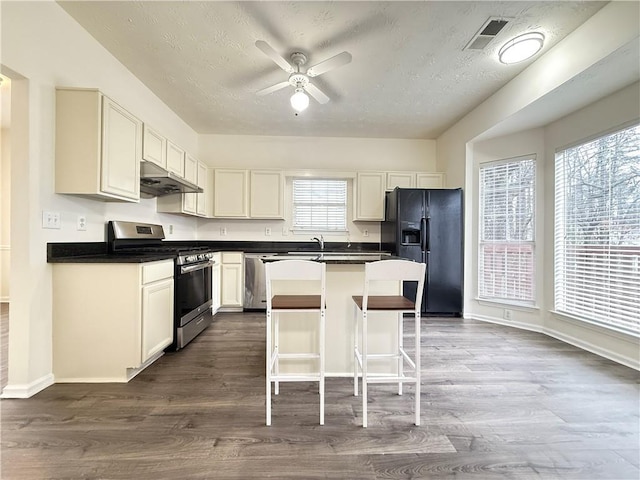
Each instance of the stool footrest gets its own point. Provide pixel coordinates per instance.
(391, 379)
(298, 355)
(296, 378)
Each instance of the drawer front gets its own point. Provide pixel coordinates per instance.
(152, 272)
(231, 257)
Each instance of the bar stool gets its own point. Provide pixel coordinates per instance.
(294, 270)
(388, 270)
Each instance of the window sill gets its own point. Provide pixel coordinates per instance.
(317, 232)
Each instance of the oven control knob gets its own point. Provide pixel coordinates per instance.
(191, 258)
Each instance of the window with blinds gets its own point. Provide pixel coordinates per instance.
(319, 205)
(597, 231)
(507, 223)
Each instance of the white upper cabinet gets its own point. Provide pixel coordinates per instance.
(98, 147)
(175, 159)
(401, 179)
(190, 168)
(267, 194)
(190, 200)
(430, 180)
(230, 193)
(369, 195)
(154, 147)
(201, 198)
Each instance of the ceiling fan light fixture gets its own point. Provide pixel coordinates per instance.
(299, 100)
(521, 48)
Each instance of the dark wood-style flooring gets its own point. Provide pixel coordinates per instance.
(497, 403)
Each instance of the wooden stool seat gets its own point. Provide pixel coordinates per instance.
(296, 302)
(386, 302)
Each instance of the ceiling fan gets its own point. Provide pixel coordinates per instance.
(298, 79)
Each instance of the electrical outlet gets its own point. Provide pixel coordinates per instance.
(285, 231)
(81, 223)
(267, 231)
(507, 314)
(170, 229)
(51, 220)
(223, 231)
(365, 233)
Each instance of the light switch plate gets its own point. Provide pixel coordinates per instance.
(51, 220)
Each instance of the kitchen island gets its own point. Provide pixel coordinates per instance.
(344, 278)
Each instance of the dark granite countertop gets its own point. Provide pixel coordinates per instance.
(344, 258)
(98, 252)
(112, 258)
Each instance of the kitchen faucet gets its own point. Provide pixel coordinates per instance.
(320, 242)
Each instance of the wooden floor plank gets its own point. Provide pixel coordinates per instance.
(496, 403)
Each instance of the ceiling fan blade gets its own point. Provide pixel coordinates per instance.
(273, 55)
(316, 93)
(329, 64)
(273, 88)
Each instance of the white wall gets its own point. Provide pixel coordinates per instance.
(604, 115)
(530, 142)
(48, 48)
(608, 114)
(313, 155)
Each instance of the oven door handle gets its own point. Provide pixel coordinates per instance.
(199, 266)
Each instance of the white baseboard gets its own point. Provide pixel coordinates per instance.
(589, 347)
(28, 390)
(571, 340)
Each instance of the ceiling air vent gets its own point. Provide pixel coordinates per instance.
(487, 32)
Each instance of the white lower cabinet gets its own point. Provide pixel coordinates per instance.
(232, 274)
(110, 320)
(157, 299)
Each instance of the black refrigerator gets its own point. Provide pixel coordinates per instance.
(426, 225)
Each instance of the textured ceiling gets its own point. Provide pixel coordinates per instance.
(409, 77)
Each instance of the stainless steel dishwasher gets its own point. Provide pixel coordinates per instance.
(255, 287)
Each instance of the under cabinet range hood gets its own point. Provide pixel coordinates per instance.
(155, 181)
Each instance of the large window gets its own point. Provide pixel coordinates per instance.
(597, 231)
(507, 229)
(319, 205)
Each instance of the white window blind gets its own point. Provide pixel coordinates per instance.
(597, 231)
(507, 215)
(319, 204)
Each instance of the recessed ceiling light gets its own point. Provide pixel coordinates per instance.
(521, 48)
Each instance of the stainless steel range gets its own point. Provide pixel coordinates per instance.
(193, 269)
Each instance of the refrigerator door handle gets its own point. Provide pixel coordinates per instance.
(423, 234)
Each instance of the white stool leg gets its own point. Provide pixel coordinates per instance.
(276, 366)
(269, 353)
(356, 313)
(400, 347)
(418, 368)
(364, 369)
(322, 341)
